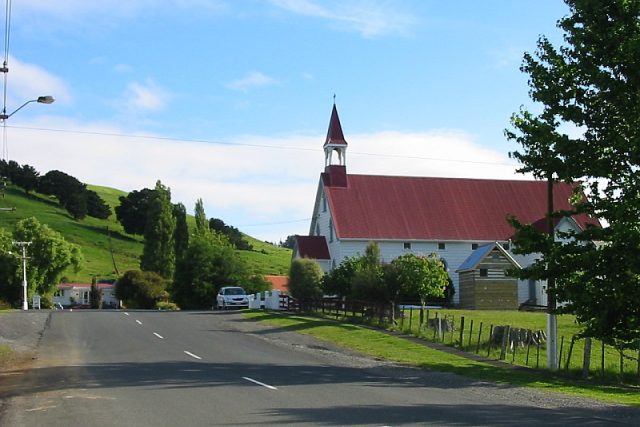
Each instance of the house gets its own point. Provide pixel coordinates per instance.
(451, 217)
(485, 282)
(278, 283)
(70, 294)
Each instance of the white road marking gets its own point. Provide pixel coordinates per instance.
(158, 335)
(270, 387)
(41, 408)
(138, 322)
(126, 314)
(188, 353)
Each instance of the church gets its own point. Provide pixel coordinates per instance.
(455, 218)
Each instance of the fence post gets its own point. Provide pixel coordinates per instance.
(560, 356)
(586, 358)
(453, 324)
(566, 365)
(526, 362)
(470, 333)
(490, 340)
(505, 338)
(479, 337)
(538, 355)
(410, 320)
(461, 332)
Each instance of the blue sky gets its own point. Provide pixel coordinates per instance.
(229, 100)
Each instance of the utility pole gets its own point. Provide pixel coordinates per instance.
(552, 321)
(23, 245)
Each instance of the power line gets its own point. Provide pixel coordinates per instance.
(238, 144)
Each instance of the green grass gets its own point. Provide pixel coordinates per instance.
(378, 344)
(567, 329)
(5, 349)
(97, 238)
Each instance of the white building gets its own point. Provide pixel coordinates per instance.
(70, 294)
(451, 217)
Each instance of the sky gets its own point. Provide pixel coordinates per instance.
(229, 100)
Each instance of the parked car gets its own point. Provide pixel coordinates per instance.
(232, 296)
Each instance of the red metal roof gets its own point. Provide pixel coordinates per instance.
(314, 247)
(334, 133)
(416, 208)
(278, 283)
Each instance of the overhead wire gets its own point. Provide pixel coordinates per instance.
(253, 145)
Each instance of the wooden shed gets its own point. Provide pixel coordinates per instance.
(484, 282)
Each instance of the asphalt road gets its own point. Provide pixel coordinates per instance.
(114, 368)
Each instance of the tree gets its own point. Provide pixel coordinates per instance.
(209, 264)
(96, 206)
(141, 289)
(76, 205)
(424, 276)
(95, 295)
(289, 242)
(27, 178)
(60, 185)
(181, 233)
(255, 284)
(233, 234)
(339, 281)
(10, 277)
(158, 254)
(201, 218)
(132, 211)
(368, 283)
(304, 279)
(50, 255)
(590, 83)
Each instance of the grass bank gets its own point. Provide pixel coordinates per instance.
(378, 344)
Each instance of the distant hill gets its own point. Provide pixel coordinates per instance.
(99, 239)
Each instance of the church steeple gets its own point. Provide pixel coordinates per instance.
(335, 140)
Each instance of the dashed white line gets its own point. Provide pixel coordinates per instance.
(158, 335)
(188, 353)
(138, 322)
(270, 387)
(126, 314)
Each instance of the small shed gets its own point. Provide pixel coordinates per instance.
(484, 282)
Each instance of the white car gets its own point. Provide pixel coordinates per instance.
(232, 296)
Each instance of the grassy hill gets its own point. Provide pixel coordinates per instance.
(99, 239)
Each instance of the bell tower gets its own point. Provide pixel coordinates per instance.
(336, 174)
(335, 141)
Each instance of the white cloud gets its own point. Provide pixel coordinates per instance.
(255, 180)
(28, 81)
(369, 18)
(147, 96)
(252, 80)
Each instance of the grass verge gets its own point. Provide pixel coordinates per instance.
(378, 344)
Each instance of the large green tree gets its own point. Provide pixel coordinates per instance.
(158, 254)
(132, 211)
(305, 277)
(588, 130)
(181, 233)
(10, 287)
(201, 218)
(209, 263)
(50, 255)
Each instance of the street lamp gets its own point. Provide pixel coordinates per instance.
(47, 99)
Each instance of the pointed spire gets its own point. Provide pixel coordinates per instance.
(334, 134)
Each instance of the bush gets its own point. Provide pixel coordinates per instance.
(165, 305)
(305, 276)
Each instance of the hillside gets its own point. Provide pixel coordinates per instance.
(99, 238)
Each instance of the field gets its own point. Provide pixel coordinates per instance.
(106, 248)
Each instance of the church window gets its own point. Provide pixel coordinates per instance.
(407, 246)
(474, 246)
(441, 246)
(330, 231)
(484, 272)
(324, 203)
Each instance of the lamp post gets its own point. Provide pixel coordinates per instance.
(47, 99)
(25, 301)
